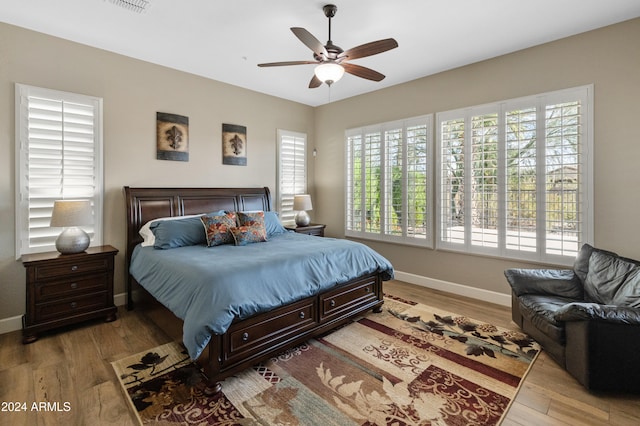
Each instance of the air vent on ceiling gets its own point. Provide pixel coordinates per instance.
(138, 6)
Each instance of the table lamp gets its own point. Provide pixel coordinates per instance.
(302, 203)
(70, 214)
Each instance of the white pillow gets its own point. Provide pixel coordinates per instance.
(148, 239)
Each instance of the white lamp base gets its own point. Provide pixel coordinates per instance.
(302, 218)
(72, 240)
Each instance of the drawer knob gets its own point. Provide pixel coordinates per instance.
(74, 285)
(332, 303)
(74, 305)
(301, 315)
(74, 268)
(245, 337)
(367, 290)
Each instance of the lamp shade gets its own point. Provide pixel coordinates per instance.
(329, 72)
(302, 202)
(71, 213)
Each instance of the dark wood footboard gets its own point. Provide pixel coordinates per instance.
(257, 338)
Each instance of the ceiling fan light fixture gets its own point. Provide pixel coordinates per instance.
(329, 72)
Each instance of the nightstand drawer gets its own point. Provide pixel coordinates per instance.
(71, 287)
(318, 232)
(315, 229)
(42, 272)
(71, 306)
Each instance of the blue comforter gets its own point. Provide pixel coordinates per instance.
(208, 287)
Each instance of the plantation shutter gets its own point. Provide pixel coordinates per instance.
(564, 176)
(354, 177)
(59, 149)
(417, 183)
(484, 180)
(395, 176)
(515, 179)
(372, 190)
(292, 171)
(452, 218)
(522, 177)
(387, 181)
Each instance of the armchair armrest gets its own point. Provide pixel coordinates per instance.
(594, 311)
(553, 282)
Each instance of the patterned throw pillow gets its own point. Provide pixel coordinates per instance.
(251, 228)
(218, 228)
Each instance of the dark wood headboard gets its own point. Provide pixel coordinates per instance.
(145, 204)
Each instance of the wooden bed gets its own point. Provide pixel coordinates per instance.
(257, 338)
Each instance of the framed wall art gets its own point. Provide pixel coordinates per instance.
(234, 145)
(172, 140)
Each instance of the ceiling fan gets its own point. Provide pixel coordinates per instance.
(332, 61)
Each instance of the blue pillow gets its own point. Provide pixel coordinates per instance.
(178, 233)
(272, 223)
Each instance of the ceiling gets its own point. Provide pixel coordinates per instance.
(225, 40)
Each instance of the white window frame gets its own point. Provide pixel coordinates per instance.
(292, 172)
(584, 94)
(32, 218)
(355, 222)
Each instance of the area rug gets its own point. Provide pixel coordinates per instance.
(409, 365)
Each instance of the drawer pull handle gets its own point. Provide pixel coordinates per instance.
(74, 305)
(332, 303)
(366, 290)
(301, 315)
(74, 285)
(245, 337)
(74, 268)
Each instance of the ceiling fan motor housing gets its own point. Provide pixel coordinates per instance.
(330, 10)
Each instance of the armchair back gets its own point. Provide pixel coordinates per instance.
(612, 280)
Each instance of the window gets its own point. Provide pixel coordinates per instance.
(292, 171)
(388, 182)
(514, 178)
(59, 156)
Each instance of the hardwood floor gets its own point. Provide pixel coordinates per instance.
(71, 369)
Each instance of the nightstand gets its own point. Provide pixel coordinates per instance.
(311, 229)
(65, 289)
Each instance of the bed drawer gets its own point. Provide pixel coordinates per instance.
(344, 300)
(269, 329)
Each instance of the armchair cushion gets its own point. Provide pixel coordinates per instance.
(541, 311)
(561, 282)
(612, 280)
(577, 311)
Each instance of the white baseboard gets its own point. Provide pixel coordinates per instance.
(120, 299)
(458, 289)
(8, 325)
(15, 323)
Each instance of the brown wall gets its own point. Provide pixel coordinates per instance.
(133, 91)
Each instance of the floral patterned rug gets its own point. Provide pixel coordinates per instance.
(409, 365)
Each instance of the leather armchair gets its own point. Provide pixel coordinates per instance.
(587, 318)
